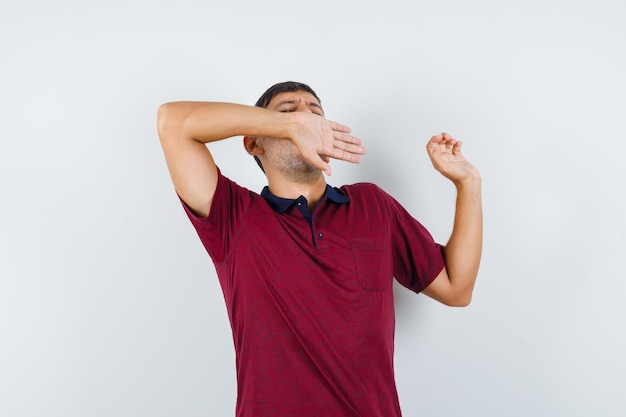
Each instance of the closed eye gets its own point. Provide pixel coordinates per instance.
(292, 110)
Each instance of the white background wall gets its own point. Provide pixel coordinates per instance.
(109, 305)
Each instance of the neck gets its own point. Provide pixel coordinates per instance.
(313, 191)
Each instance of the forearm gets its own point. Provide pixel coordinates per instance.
(464, 249)
(212, 121)
(185, 127)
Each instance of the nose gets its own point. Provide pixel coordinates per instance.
(302, 106)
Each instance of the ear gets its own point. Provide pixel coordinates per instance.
(253, 145)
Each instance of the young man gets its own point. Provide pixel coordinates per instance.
(306, 269)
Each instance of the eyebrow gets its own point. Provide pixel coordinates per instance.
(308, 103)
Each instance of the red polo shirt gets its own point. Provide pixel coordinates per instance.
(309, 296)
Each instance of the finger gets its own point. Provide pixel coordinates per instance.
(325, 167)
(351, 148)
(338, 127)
(352, 145)
(318, 161)
(444, 143)
(457, 147)
(344, 137)
(344, 155)
(433, 143)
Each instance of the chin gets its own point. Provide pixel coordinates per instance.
(305, 175)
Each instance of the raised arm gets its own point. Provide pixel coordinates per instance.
(455, 284)
(185, 127)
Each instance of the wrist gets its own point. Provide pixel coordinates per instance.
(469, 182)
(287, 124)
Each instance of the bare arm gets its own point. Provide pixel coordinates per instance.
(455, 284)
(185, 127)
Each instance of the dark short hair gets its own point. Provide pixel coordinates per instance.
(283, 87)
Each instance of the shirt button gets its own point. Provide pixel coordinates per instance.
(319, 235)
(299, 204)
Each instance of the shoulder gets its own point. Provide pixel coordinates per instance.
(229, 186)
(364, 191)
(228, 200)
(361, 188)
(370, 196)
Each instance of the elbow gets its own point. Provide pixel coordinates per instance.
(171, 119)
(461, 291)
(459, 300)
(462, 302)
(164, 118)
(452, 292)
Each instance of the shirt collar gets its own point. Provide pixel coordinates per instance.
(279, 204)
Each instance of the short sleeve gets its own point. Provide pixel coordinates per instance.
(418, 259)
(218, 231)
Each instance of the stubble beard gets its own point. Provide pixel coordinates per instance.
(303, 172)
(293, 167)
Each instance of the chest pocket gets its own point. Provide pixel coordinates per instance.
(373, 264)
